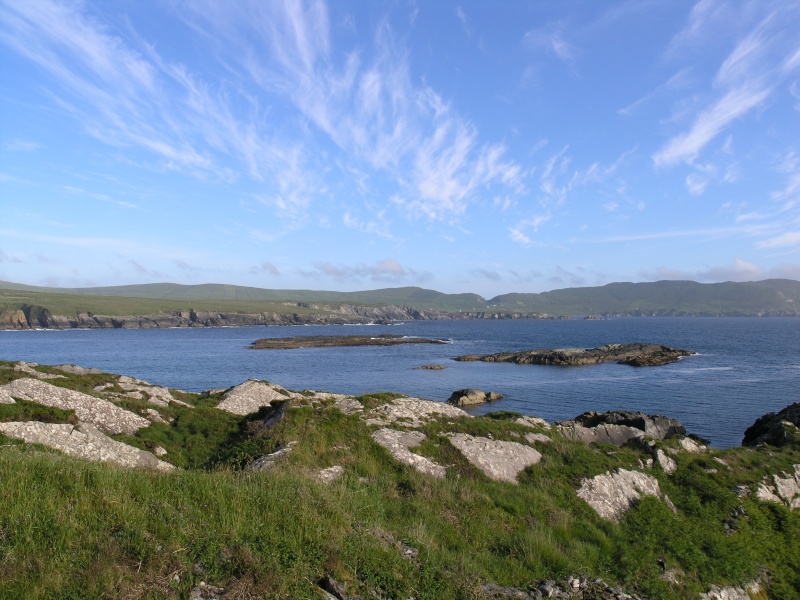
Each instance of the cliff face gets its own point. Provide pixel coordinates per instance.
(38, 317)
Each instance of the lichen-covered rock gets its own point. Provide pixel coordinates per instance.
(250, 396)
(5, 397)
(85, 442)
(665, 462)
(611, 494)
(501, 461)
(616, 435)
(105, 415)
(533, 422)
(160, 396)
(412, 412)
(781, 489)
(29, 369)
(751, 590)
(266, 462)
(690, 446)
(331, 474)
(618, 427)
(398, 444)
(76, 370)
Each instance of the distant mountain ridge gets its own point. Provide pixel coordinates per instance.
(776, 297)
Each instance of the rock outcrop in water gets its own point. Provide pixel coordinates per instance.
(339, 341)
(617, 427)
(637, 355)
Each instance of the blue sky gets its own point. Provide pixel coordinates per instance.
(482, 147)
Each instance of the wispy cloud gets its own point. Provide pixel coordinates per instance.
(265, 268)
(551, 38)
(746, 78)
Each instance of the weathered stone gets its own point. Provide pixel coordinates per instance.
(266, 462)
(533, 422)
(85, 442)
(29, 369)
(776, 429)
(398, 444)
(471, 396)
(658, 427)
(348, 405)
(501, 461)
(781, 488)
(331, 474)
(616, 435)
(612, 494)
(76, 370)
(5, 397)
(751, 590)
(412, 412)
(159, 396)
(252, 395)
(691, 446)
(665, 462)
(206, 592)
(104, 414)
(537, 437)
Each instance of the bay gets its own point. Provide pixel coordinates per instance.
(745, 367)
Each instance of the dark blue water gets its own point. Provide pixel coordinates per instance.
(745, 366)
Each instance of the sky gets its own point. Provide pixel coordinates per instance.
(485, 147)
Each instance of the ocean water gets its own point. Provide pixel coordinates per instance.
(744, 368)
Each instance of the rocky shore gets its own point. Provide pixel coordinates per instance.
(637, 355)
(38, 317)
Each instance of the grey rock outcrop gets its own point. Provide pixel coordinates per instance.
(776, 429)
(781, 489)
(618, 427)
(751, 590)
(611, 494)
(85, 442)
(5, 397)
(250, 396)
(499, 460)
(105, 415)
(469, 396)
(266, 462)
(630, 354)
(398, 443)
(412, 412)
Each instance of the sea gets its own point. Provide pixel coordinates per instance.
(744, 367)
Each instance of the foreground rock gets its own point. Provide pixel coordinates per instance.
(335, 341)
(471, 396)
(618, 427)
(105, 415)
(501, 461)
(637, 355)
(85, 442)
(612, 494)
(250, 396)
(411, 412)
(776, 429)
(782, 488)
(398, 443)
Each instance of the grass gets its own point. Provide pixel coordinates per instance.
(70, 529)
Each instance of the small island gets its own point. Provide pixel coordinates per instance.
(635, 355)
(337, 341)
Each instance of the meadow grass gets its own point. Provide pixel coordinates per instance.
(70, 529)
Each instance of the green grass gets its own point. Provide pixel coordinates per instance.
(75, 530)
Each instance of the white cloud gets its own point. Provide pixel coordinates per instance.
(386, 270)
(790, 238)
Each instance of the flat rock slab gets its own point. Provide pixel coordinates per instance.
(501, 461)
(630, 354)
(412, 412)
(5, 397)
(616, 435)
(612, 494)
(85, 442)
(337, 341)
(99, 412)
(250, 396)
(28, 369)
(398, 444)
(160, 396)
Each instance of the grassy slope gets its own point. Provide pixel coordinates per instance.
(75, 530)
